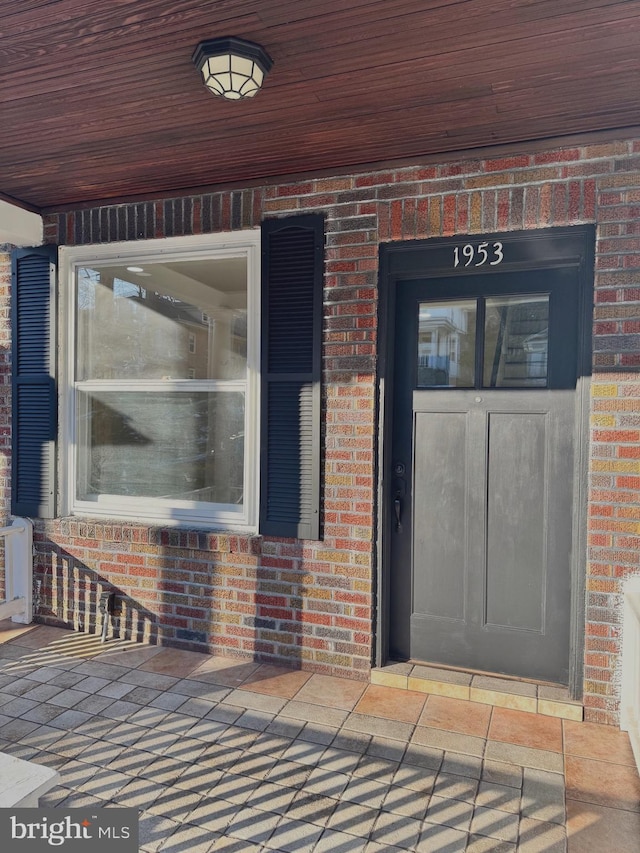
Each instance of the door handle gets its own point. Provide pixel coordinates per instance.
(397, 508)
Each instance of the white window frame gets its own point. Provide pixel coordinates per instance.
(152, 510)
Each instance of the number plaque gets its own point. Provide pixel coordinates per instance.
(484, 253)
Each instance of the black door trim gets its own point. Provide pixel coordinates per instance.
(572, 246)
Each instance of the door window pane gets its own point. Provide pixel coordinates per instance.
(179, 445)
(516, 342)
(447, 344)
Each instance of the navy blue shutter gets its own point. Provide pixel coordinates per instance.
(34, 403)
(291, 368)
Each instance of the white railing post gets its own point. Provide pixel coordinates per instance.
(18, 571)
(630, 688)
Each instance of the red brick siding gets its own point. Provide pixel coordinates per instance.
(311, 602)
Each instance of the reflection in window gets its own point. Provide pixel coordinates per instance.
(161, 380)
(447, 343)
(156, 328)
(187, 446)
(516, 343)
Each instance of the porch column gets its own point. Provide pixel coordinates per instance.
(18, 226)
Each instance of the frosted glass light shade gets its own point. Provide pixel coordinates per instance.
(232, 68)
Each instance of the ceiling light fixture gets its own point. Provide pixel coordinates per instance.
(232, 68)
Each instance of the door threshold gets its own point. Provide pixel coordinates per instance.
(530, 696)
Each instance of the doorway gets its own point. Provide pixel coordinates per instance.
(482, 451)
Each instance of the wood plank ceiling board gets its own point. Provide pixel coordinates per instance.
(101, 102)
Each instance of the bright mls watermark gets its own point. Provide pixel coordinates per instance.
(69, 830)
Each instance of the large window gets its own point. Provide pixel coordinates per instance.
(162, 402)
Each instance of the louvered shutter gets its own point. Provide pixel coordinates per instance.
(292, 270)
(33, 402)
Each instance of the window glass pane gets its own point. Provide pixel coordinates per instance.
(178, 320)
(516, 343)
(447, 343)
(187, 446)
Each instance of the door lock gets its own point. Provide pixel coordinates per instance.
(399, 490)
(397, 508)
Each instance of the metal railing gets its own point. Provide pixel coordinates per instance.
(18, 571)
(630, 699)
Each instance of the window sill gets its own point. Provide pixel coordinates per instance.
(142, 522)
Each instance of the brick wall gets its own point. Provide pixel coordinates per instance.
(311, 602)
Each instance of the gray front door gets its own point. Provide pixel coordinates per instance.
(483, 458)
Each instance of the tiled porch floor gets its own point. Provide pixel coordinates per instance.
(222, 755)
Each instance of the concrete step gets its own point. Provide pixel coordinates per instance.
(552, 701)
(22, 783)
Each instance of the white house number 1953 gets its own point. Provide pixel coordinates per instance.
(478, 255)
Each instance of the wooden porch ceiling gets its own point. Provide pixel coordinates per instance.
(100, 101)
